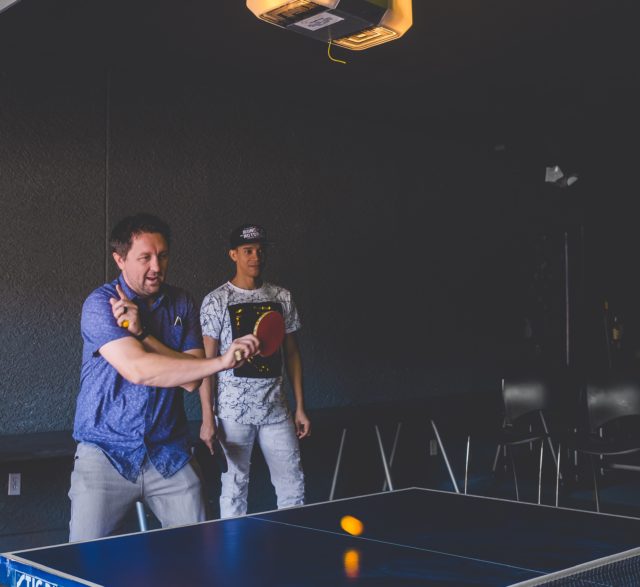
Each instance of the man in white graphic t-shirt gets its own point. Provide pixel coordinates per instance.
(249, 402)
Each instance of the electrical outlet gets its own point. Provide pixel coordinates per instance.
(14, 483)
(433, 447)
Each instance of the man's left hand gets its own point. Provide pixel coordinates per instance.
(303, 424)
(126, 310)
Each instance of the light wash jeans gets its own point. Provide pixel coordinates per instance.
(101, 497)
(279, 445)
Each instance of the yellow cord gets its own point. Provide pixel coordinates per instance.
(330, 57)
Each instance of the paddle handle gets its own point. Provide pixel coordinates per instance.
(238, 355)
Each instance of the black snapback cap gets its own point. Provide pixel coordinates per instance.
(246, 234)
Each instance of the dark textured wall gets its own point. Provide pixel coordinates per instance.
(404, 189)
(103, 115)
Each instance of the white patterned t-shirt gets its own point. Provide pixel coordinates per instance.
(253, 393)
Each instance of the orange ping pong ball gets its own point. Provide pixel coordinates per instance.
(351, 525)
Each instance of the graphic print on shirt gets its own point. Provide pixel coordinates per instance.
(243, 319)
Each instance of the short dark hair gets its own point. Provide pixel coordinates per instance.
(131, 226)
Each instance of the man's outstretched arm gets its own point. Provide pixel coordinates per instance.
(142, 367)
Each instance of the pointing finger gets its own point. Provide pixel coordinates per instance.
(121, 292)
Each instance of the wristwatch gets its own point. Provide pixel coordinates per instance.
(142, 335)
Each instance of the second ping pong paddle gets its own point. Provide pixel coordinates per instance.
(219, 456)
(269, 330)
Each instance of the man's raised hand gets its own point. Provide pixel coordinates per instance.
(126, 312)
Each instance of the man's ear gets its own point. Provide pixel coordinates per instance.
(233, 254)
(119, 260)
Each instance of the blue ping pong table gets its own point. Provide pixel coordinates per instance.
(411, 537)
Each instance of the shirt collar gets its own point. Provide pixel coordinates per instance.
(133, 296)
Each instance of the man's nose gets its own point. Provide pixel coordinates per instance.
(155, 263)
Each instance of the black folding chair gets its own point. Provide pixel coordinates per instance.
(528, 402)
(611, 438)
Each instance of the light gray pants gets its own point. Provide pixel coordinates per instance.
(281, 451)
(101, 497)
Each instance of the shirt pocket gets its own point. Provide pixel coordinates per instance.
(177, 337)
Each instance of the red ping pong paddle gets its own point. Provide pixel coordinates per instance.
(269, 330)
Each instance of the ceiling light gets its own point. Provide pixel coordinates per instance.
(352, 24)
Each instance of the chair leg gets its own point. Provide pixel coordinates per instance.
(540, 472)
(142, 518)
(575, 462)
(444, 456)
(385, 464)
(393, 452)
(496, 458)
(549, 441)
(558, 474)
(515, 476)
(466, 464)
(335, 472)
(596, 493)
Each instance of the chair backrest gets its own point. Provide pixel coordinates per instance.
(525, 396)
(611, 398)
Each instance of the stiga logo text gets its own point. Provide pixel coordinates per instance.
(24, 580)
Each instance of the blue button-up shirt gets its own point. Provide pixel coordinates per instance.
(127, 421)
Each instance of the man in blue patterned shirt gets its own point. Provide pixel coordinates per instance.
(142, 344)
